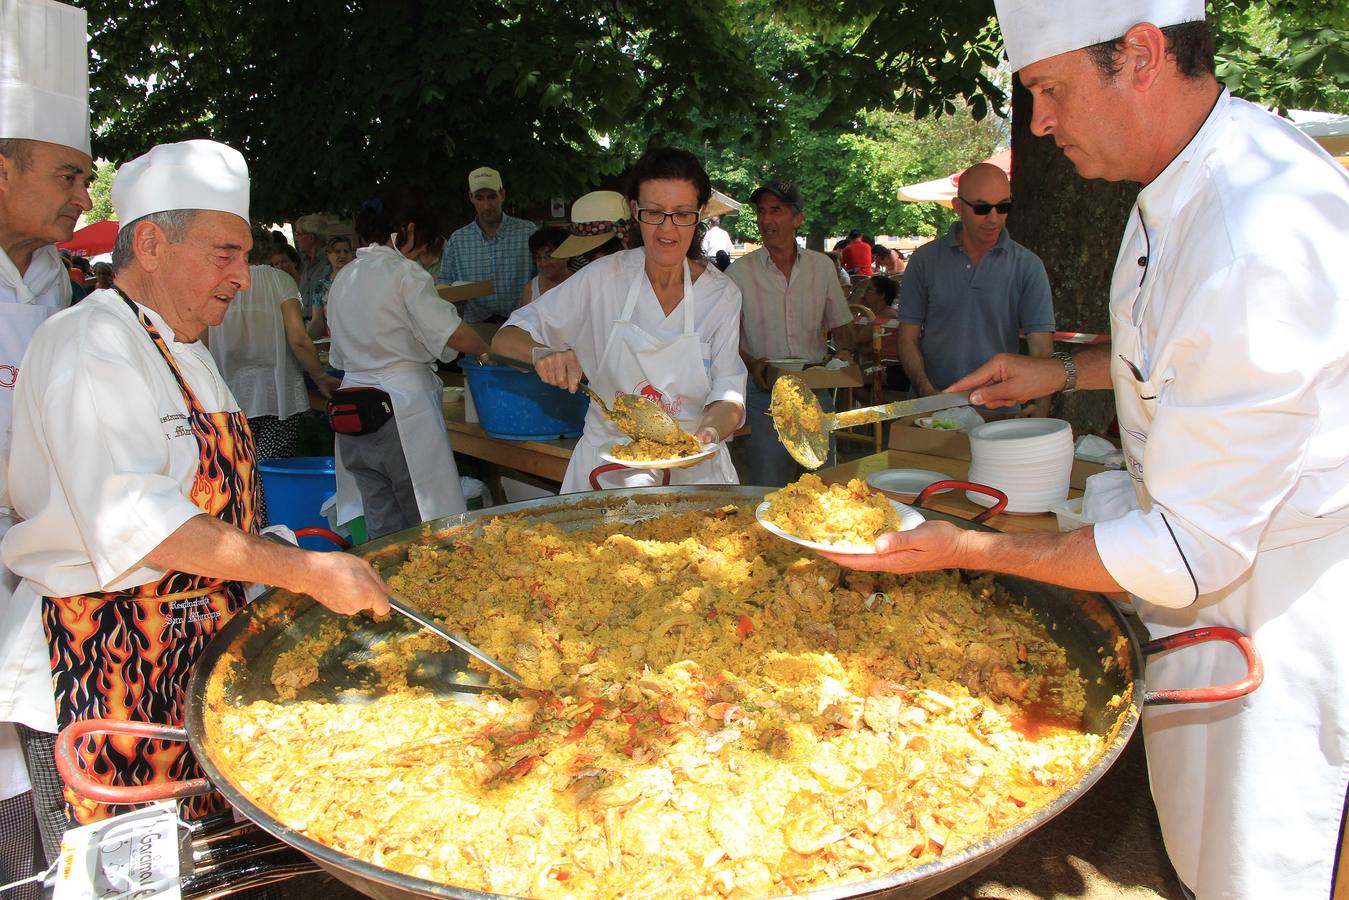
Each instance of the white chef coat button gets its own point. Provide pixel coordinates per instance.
(1142, 260)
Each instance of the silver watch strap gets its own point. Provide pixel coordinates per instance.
(1069, 371)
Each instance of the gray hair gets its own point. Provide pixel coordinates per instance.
(17, 149)
(173, 222)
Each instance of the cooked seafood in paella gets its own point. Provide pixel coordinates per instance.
(849, 514)
(647, 450)
(716, 714)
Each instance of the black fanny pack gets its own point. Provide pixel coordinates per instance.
(359, 410)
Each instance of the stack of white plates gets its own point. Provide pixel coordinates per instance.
(1029, 460)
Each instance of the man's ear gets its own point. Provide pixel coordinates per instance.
(148, 243)
(1144, 54)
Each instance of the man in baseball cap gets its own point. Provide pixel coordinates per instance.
(493, 247)
(1229, 363)
(134, 472)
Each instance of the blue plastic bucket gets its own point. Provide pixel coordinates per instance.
(517, 406)
(296, 490)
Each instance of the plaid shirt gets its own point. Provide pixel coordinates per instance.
(505, 260)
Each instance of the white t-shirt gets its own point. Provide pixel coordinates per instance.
(384, 312)
(103, 454)
(717, 238)
(251, 350)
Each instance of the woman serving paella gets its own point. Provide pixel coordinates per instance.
(656, 322)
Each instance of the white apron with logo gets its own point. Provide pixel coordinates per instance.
(1249, 792)
(674, 374)
(25, 667)
(416, 392)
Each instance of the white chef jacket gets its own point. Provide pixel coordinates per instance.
(104, 455)
(1230, 344)
(1245, 347)
(385, 313)
(25, 675)
(251, 350)
(389, 326)
(579, 315)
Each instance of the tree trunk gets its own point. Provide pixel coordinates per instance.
(1074, 225)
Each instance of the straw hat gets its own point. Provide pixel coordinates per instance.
(596, 219)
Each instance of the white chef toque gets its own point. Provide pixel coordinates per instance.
(191, 175)
(1038, 29)
(44, 73)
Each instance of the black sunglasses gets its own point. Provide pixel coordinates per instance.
(983, 209)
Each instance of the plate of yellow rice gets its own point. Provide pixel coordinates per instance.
(838, 518)
(649, 454)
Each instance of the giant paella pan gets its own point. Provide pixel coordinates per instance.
(713, 711)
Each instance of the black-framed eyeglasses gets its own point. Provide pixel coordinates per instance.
(684, 218)
(983, 209)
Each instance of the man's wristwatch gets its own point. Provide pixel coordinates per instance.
(1069, 371)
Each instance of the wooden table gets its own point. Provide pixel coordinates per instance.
(953, 502)
(542, 459)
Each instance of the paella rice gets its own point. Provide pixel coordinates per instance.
(647, 450)
(850, 514)
(713, 714)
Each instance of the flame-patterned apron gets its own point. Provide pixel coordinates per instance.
(128, 654)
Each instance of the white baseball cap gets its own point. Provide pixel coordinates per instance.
(197, 174)
(44, 73)
(483, 178)
(1033, 30)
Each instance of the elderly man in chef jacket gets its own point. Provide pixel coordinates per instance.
(133, 472)
(1230, 365)
(45, 172)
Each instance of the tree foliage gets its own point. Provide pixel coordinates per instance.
(1286, 55)
(100, 192)
(327, 98)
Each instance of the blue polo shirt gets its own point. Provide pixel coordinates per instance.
(969, 314)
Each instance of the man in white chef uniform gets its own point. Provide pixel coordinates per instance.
(133, 473)
(1230, 365)
(45, 170)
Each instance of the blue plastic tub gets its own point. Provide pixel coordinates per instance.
(296, 490)
(517, 406)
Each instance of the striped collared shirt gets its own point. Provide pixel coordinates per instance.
(504, 260)
(788, 319)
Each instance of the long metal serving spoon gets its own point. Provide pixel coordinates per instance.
(399, 604)
(635, 416)
(804, 427)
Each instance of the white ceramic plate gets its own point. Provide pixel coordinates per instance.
(908, 518)
(682, 462)
(792, 364)
(907, 483)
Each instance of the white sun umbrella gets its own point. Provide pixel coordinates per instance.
(943, 190)
(721, 205)
(1328, 130)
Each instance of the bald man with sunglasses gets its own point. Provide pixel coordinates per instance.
(968, 295)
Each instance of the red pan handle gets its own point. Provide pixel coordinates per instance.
(1255, 667)
(68, 764)
(984, 516)
(323, 533)
(605, 469)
